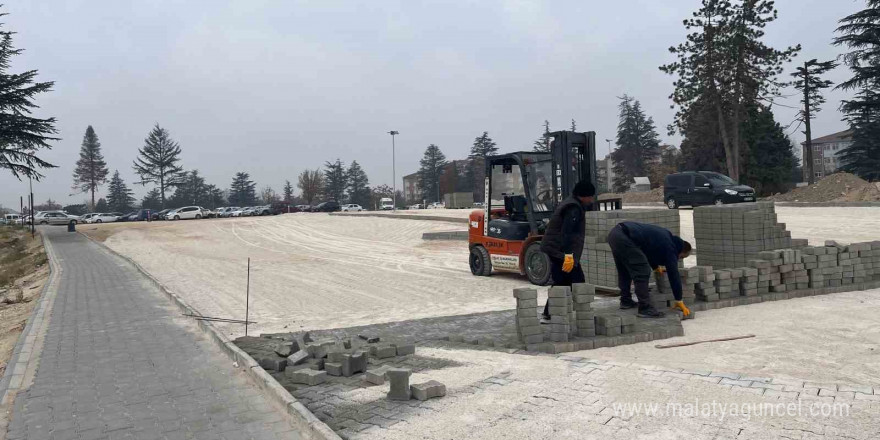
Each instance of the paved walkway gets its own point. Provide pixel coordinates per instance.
(119, 361)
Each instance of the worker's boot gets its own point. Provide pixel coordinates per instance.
(627, 303)
(650, 312)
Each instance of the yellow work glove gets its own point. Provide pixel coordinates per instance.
(680, 306)
(568, 263)
(660, 269)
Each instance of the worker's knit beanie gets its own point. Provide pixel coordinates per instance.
(584, 189)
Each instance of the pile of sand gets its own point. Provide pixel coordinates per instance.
(655, 195)
(838, 187)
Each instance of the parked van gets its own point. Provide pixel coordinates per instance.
(11, 219)
(695, 188)
(386, 204)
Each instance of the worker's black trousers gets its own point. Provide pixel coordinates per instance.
(561, 278)
(632, 268)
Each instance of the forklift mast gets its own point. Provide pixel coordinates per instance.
(574, 160)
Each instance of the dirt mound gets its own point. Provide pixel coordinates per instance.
(838, 187)
(655, 195)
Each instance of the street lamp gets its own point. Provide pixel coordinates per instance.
(393, 172)
(609, 146)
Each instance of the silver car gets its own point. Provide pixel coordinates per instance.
(55, 218)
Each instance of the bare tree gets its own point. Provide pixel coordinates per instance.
(311, 183)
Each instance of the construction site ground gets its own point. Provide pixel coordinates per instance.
(321, 272)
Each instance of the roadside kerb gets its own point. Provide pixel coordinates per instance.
(28, 347)
(407, 217)
(309, 425)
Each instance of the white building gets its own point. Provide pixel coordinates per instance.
(826, 150)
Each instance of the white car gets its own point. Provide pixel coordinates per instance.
(436, 205)
(416, 206)
(352, 207)
(104, 217)
(185, 213)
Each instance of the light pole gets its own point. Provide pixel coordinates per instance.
(608, 167)
(393, 172)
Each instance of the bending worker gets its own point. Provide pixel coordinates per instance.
(563, 239)
(638, 248)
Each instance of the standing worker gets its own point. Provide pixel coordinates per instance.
(638, 248)
(563, 240)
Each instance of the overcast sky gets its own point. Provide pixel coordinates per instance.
(274, 87)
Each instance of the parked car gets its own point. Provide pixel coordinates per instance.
(263, 210)
(208, 213)
(386, 204)
(352, 207)
(330, 206)
(128, 217)
(478, 204)
(304, 208)
(11, 219)
(55, 218)
(185, 213)
(104, 217)
(695, 188)
(160, 215)
(237, 212)
(436, 205)
(85, 217)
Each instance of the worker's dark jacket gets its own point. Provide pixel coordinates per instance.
(660, 247)
(566, 230)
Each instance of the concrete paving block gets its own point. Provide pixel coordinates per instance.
(525, 293)
(558, 310)
(307, 376)
(319, 349)
(527, 303)
(582, 289)
(286, 348)
(527, 313)
(371, 339)
(273, 363)
(399, 383)
(559, 292)
(387, 351)
(427, 390)
(376, 376)
(586, 332)
(558, 302)
(608, 321)
(531, 330)
(406, 349)
(298, 358)
(333, 368)
(528, 322)
(534, 339)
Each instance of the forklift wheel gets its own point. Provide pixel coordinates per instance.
(537, 265)
(481, 265)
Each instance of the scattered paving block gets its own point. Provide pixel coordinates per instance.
(371, 339)
(273, 363)
(285, 349)
(559, 292)
(428, 390)
(298, 358)
(399, 387)
(376, 375)
(333, 368)
(307, 376)
(406, 349)
(525, 293)
(319, 349)
(353, 363)
(386, 351)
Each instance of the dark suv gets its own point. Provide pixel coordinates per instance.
(696, 188)
(330, 206)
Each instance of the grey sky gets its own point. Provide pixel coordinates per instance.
(274, 87)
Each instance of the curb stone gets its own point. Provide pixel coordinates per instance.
(39, 309)
(306, 422)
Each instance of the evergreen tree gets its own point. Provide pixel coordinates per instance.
(80, 209)
(809, 82)
(358, 185)
(243, 191)
(483, 147)
(771, 158)
(668, 163)
(119, 197)
(102, 206)
(191, 190)
(288, 192)
(151, 201)
(542, 144)
(21, 135)
(573, 125)
(335, 181)
(432, 164)
(158, 161)
(638, 145)
(311, 184)
(91, 170)
(215, 196)
(860, 32)
(726, 67)
(49, 205)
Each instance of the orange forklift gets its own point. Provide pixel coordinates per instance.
(521, 191)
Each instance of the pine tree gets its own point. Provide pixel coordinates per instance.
(158, 161)
(311, 184)
(771, 158)
(724, 68)
(151, 201)
(638, 145)
(335, 181)
(860, 32)
(574, 126)
(119, 197)
(288, 192)
(358, 185)
(190, 190)
(542, 144)
(483, 147)
(91, 170)
(102, 206)
(21, 135)
(809, 81)
(215, 196)
(243, 191)
(432, 164)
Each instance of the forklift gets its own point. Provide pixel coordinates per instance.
(521, 192)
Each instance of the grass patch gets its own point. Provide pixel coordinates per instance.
(20, 254)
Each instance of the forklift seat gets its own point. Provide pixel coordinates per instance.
(508, 229)
(516, 207)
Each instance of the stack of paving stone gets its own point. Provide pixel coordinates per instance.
(689, 279)
(560, 309)
(582, 297)
(875, 250)
(597, 261)
(727, 283)
(528, 327)
(615, 325)
(730, 235)
(748, 282)
(704, 289)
